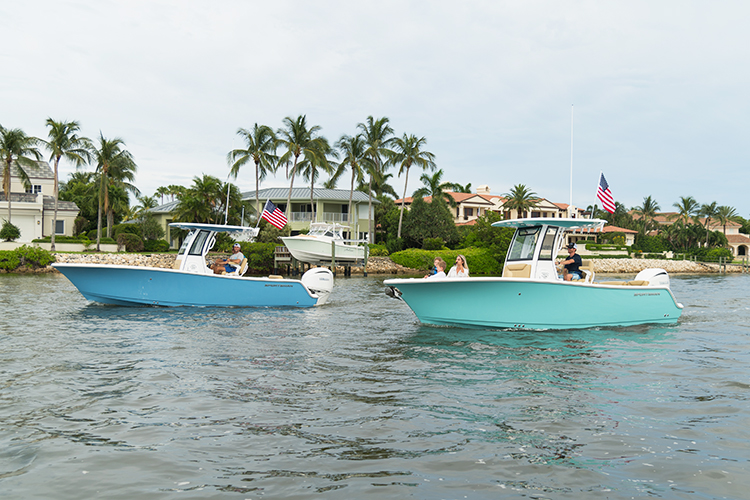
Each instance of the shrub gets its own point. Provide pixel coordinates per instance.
(32, 257)
(131, 242)
(432, 244)
(481, 261)
(9, 232)
(259, 257)
(118, 229)
(394, 244)
(156, 246)
(378, 250)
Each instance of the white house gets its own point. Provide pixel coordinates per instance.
(32, 209)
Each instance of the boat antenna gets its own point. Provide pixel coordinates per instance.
(571, 157)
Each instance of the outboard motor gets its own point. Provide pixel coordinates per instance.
(654, 276)
(319, 281)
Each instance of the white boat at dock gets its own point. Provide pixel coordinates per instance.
(324, 243)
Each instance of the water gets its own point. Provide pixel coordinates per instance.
(358, 400)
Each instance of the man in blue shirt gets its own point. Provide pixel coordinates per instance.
(572, 264)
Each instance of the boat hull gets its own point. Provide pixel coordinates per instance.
(135, 286)
(312, 249)
(535, 305)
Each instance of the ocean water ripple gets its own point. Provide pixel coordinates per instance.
(357, 399)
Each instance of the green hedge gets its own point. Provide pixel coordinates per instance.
(481, 262)
(378, 251)
(25, 256)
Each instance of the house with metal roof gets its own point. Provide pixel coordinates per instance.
(331, 205)
(32, 208)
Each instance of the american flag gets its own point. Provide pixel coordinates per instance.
(273, 215)
(605, 195)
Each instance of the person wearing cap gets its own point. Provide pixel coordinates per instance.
(230, 264)
(572, 265)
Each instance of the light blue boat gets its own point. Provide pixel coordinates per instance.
(530, 294)
(193, 283)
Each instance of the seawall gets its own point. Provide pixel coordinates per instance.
(384, 265)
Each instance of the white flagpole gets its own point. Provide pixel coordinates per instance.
(226, 212)
(257, 222)
(571, 157)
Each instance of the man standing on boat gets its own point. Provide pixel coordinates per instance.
(572, 265)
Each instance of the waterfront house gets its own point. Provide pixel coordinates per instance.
(331, 205)
(32, 208)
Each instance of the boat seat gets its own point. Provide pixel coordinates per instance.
(239, 271)
(588, 271)
(517, 271)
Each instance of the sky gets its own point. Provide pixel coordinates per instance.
(652, 93)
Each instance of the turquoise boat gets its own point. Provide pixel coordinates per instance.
(531, 295)
(192, 283)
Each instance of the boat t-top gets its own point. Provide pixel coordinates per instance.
(192, 283)
(531, 295)
(324, 243)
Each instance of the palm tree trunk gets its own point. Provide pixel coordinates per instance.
(54, 215)
(351, 194)
(312, 207)
(403, 200)
(257, 186)
(369, 212)
(289, 198)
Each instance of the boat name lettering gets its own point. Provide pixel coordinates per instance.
(644, 294)
(289, 286)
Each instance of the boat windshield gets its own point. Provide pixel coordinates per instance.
(524, 243)
(185, 242)
(548, 244)
(197, 248)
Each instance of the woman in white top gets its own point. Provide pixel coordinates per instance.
(460, 270)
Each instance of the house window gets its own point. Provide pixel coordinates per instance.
(35, 189)
(60, 227)
(468, 212)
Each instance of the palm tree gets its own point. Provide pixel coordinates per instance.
(175, 190)
(261, 150)
(64, 142)
(202, 201)
(708, 211)
(115, 162)
(379, 186)
(433, 186)
(725, 214)
(16, 146)
(353, 152)
(458, 188)
(310, 169)
(521, 199)
(161, 191)
(378, 138)
(647, 211)
(144, 203)
(686, 208)
(408, 152)
(300, 140)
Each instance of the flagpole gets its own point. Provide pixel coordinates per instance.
(571, 157)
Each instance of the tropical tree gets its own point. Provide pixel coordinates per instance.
(379, 186)
(311, 169)
(261, 150)
(64, 142)
(201, 202)
(521, 199)
(115, 166)
(647, 211)
(620, 217)
(433, 186)
(725, 214)
(596, 212)
(687, 207)
(708, 211)
(407, 152)
(175, 190)
(458, 188)
(19, 148)
(300, 141)
(378, 136)
(161, 192)
(144, 203)
(80, 188)
(352, 149)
